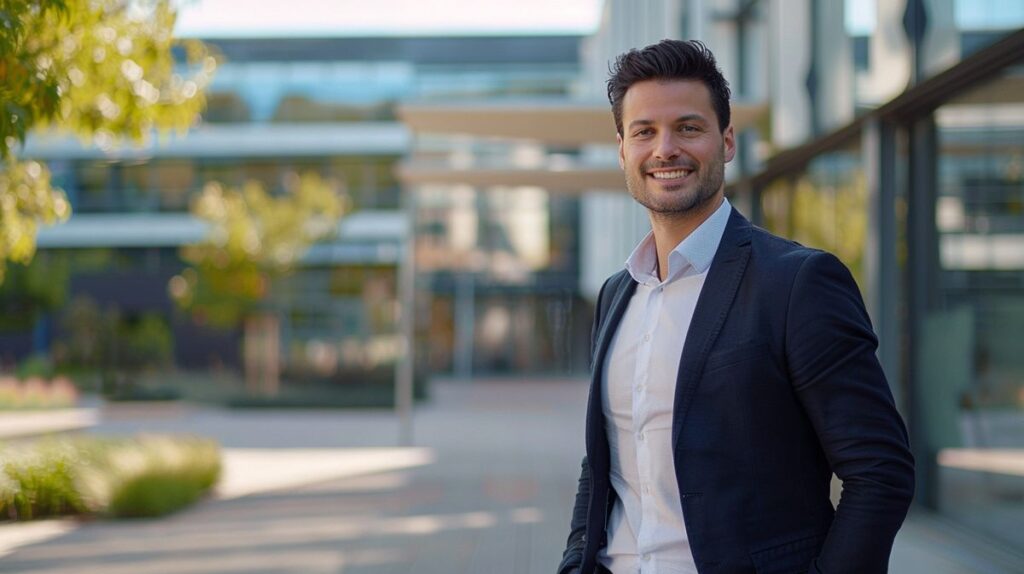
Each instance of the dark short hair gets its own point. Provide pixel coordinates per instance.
(669, 60)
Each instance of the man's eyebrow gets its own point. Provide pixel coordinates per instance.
(636, 123)
(682, 118)
(690, 118)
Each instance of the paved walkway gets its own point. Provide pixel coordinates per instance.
(486, 489)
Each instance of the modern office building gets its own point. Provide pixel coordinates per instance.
(889, 132)
(279, 106)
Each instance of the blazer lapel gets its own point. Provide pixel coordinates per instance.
(609, 323)
(716, 298)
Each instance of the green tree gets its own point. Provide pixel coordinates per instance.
(254, 237)
(100, 69)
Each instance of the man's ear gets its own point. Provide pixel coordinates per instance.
(622, 157)
(729, 144)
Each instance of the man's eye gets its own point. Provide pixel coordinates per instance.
(688, 129)
(645, 132)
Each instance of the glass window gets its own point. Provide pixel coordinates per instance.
(971, 367)
(825, 206)
(93, 185)
(174, 181)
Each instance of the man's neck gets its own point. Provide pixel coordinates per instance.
(671, 229)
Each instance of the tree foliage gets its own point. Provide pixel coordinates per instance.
(254, 237)
(27, 200)
(104, 70)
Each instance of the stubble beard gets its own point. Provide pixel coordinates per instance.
(679, 201)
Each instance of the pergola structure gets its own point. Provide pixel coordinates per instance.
(559, 124)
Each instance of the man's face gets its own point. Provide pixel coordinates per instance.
(671, 147)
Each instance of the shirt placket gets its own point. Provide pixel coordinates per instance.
(641, 418)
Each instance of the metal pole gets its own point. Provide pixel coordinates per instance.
(406, 321)
(465, 321)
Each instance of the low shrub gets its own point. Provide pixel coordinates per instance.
(35, 366)
(156, 475)
(40, 482)
(320, 396)
(136, 392)
(154, 494)
(140, 477)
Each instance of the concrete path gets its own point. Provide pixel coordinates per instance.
(19, 424)
(486, 489)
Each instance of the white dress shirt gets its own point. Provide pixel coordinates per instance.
(646, 534)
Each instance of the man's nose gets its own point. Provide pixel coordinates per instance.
(667, 147)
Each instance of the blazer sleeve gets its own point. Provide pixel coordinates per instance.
(572, 557)
(830, 353)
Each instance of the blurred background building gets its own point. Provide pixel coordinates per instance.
(890, 132)
(280, 106)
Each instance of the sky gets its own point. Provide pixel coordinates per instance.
(325, 18)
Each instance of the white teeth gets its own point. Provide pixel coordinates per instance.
(670, 174)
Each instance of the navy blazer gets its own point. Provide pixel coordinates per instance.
(778, 387)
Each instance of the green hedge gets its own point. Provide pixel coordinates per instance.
(147, 475)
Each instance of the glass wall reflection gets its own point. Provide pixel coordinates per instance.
(972, 364)
(824, 206)
(497, 281)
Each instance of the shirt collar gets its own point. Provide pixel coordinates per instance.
(692, 256)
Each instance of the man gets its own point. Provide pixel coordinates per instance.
(733, 371)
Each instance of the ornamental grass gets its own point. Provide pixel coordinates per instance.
(144, 476)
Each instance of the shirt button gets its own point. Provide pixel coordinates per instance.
(647, 337)
(647, 489)
(640, 436)
(647, 557)
(641, 388)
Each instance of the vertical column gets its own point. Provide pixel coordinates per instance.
(790, 61)
(833, 63)
(922, 263)
(404, 371)
(465, 322)
(889, 56)
(696, 19)
(881, 270)
(941, 39)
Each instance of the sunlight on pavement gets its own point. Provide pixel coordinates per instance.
(422, 525)
(527, 516)
(248, 471)
(15, 535)
(251, 471)
(150, 539)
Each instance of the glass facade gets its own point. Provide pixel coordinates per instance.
(338, 319)
(971, 361)
(360, 79)
(825, 206)
(498, 270)
(168, 184)
(328, 97)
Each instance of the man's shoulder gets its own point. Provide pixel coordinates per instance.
(779, 250)
(784, 260)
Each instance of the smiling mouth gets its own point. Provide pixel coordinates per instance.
(668, 175)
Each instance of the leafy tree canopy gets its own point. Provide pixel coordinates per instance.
(104, 70)
(253, 237)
